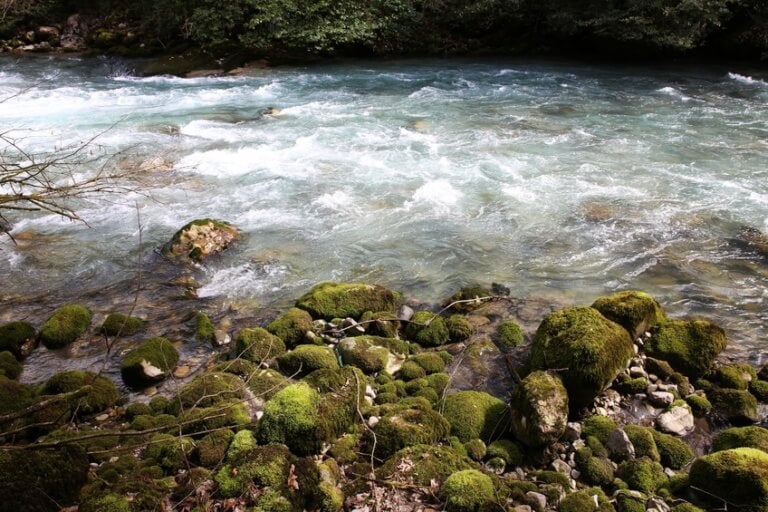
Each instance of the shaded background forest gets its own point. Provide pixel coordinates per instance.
(305, 28)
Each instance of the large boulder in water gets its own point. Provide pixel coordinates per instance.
(340, 300)
(635, 311)
(18, 338)
(738, 477)
(148, 363)
(65, 325)
(690, 346)
(586, 348)
(200, 239)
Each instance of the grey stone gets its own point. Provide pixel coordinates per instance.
(561, 466)
(661, 398)
(539, 499)
(572, 431)
(677, 421)
(619, 446)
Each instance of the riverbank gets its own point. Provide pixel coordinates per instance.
(357, 397)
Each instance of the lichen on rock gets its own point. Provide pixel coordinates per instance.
(200, 239)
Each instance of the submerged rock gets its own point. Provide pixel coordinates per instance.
(148, 363)
(65, 325)
(690, 346)
(200, 239)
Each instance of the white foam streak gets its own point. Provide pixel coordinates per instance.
(747, 79)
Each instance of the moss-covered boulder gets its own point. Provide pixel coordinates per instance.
(597, 471)
(291, 327)
(509, 335)
(599, 427)
(737, 406)
(738, 476)
(643, 474)
(636, 311)
(9, 366)
(148, 363)
(539, 409)
(65, 325)
(200, 239)
(212, 448)
(340, 300)
(427, 329)
(673, 452)
(206, 390)
(467, 491)
(17, 337)
(422, 464)
(262, 466)
(741, 437)
(102, 394)
(734, 376)
(170, 452)
(205, 331)
(506, 450)
(589, 349)
(690, 346)
(265, 382)
(118, 324)
(381, 323)
(257, 345)
(586, 500)
(14, 395)
(432, 362)
(364, 353)
(41, 480)
(459, 328)
(643, 442)
(472, 296)
(476, 415)
(305, 359)
(404, 427)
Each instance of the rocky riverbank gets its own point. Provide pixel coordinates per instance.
(359, 399)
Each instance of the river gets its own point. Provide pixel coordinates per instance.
(561, 181)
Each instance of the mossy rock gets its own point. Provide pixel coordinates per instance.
(468, 293)
(643, 474)
(739, 476)
(506, 450)
(432, 362)
(305, 359)
(65, 325)
(14, 396)
(9, 366)
(737, 376)
(690, 346)
(148, 363)
(476, 449)
(118, 324)
(539, 409)
(590, 348)
(630, 386)
(636, 311)
(597, 471)
(584, 501)
(381, 323)
(598, 426)
(673, 452)
(291, 416)
(476, 415)
(341, 300)
(467, 491)
(170, 452)
(143, 422)
(292, 326)
(111, 502)
(226, 414)
(509, 335)
(137, 409)
(14, 336)
(699, 404)
(736, 406)
(42, 480)
(200, 239)
(265, 382)
(459, 328)
(630, 501)
(427, 329)
(759, 388)
(205, 331)
(102, 395)
(206, 390)
(364, 353)
(262, 466)
(237, 366)
(422, 463)
(438, 381)
(741, 437)
(661, 369)
(258, 345)
(643, 441)
(411, 370)
(405, 427)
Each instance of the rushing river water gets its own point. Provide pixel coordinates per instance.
(559, 181)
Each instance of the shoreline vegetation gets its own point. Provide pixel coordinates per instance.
(183, 37)
(357, 398)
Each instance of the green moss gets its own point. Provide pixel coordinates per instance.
(290, 415)
(305, 359)
(597, 471)
(411, 370)
(170, 452)
(476, 414)
(212, 448)
(684, 387)
(594, 444)
(599, 427)
(243, 441)
(438, 382)
(539, 409)
(265, 382)
(432, 362)
(732, 376)
(230, 413)
(416, 385)
(238, 366)
(661, 369)
(423, 463)
(734, 405)
(103, 393)
(257, 345)
(584, 501)
(741, 437)
(642, 474)
(632, 386)
(118, 324)
(739, 476)
(686, 507)
(9, 366)
(759, 388)
(630, 502)
(330, 497)
(427, 329)
(386, 398)
(137, 409)
(14, 335)
(206, 390)
(381, 323)
(363, 353)
(699, 404)
(468, 293)
(344, 449)
(506, 450)
(292, 326)
(509, 335)
(65, 325)
(636, 311)
(592, 348)
(552, 477)
(690, 346)
(476, 449)
(459, 328)
(643, 441)
(159, 404)
(340, 300)
(262, 466)
(147, 422)
(159, 352)
(673, 452)
(467, 491)
(582, 455)
(110, 502)
(205, 331)
(405, 427)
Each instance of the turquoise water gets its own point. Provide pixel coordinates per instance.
(559, 180)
